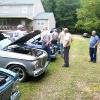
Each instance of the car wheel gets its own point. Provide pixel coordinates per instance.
(22, 74)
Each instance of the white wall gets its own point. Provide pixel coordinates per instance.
(39, 24)
(38, 8)
(16, 11)
(29, 10)
(51, 23)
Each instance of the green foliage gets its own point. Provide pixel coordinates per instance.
(88, 15)
(64, 10)
(48, 5)
(80, 14)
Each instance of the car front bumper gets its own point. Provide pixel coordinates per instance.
(15, 96)
(39, 71)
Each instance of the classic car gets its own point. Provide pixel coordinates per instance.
(36, 42)
(8, 85)
(21, 59)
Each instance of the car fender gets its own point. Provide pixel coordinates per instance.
(15, 63)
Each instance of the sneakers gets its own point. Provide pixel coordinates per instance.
(92, 61)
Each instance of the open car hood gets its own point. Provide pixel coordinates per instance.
(24, 39)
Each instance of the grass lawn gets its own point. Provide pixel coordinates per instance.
(81, 81)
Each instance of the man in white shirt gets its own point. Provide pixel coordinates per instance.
(54, 36)
(46, 38)
(19, 32)
(66, 44)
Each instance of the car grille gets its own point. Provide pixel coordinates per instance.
(42, 62)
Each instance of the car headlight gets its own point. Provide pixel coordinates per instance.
(35, 64)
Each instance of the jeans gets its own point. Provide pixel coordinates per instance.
(66, 56)
(61, 50)
(93, 54)
(47, 49)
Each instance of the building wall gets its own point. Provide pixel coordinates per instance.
(25, 11)
(25, 14)
(16, 11)
(51, 23)
(21, 10)
(38, 8)
(39, 24)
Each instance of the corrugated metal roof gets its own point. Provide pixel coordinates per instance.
(44, 16)
(5, 2)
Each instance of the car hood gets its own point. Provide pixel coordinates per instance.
(13, 55)
(4, 43)
(24, 39)
(7, 42)
(36, 37)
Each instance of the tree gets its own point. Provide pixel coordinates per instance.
(49, 6)
(88, 15)
(64, 11)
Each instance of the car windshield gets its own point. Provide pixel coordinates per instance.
(4, 43)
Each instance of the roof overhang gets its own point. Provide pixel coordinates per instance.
(17, 17)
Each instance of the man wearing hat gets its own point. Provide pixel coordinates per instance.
(66, 44)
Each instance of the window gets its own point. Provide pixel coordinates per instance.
(3, 21)
(40, 22)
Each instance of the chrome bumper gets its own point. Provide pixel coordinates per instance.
(39, 71)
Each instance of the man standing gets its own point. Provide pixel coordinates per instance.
(46, 38)
(66, 44)
(54, 37)
(93, 43)
(61, 38)
(20, 32)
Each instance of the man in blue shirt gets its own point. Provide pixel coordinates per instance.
(93, 43)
